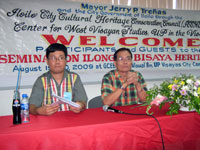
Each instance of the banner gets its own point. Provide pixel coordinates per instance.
(163, 42)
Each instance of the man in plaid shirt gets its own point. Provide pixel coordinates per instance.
(123, 86)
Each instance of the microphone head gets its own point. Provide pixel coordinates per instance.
(105, 107)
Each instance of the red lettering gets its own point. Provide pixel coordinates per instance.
(111, 57)
(22, 59)
(148, 57)
(123, 40)
(171, 43)
(60, 38)
(103, 41)
(168, 58)
(184, 57)
(11, 58)
(73, 58)
(37, 58)
(86, 58)
(104, 58)
(156, 41)
(30, 60)
(191, 42)
(85, 39)
(156, 58)
(44, 59)
(97, 58)
(3, 59)
(136, 57)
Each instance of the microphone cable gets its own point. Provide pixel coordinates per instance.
(163, 146)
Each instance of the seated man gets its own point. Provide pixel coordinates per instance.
(56, 81)
(123, 86)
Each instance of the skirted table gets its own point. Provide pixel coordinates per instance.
(95, 129)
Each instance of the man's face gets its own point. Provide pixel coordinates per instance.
(123, 62)
(57, 62)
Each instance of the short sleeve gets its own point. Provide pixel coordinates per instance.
(142, 81)
(37, 94)
(79, 90)
(106, 86)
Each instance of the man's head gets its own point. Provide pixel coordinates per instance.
(56, 47)
(122, 49)
(123, 59)
(56, 58)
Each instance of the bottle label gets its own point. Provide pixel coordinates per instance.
(16, 103)
(25, 106)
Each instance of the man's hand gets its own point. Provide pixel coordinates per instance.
(77, 109)
(47, 110)
(132, 78)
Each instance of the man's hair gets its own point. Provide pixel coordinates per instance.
(56, 47)
(122, 49)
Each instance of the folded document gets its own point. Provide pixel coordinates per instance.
(64, 101)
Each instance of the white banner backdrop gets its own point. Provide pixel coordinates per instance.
(163, 42)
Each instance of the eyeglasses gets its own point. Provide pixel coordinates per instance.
(60, 58)
(121, 59)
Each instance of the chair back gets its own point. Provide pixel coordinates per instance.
(95, 102)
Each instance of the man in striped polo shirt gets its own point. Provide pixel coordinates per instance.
(57, 81)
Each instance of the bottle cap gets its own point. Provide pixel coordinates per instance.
(24, 95)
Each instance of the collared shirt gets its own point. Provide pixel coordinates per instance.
(112, 80)
(46, 85)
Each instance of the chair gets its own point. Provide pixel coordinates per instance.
(95, 102)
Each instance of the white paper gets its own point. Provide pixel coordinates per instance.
(63, 101)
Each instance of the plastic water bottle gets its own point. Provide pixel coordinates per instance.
(16, 108)
(25, 109)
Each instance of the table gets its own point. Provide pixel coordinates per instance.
(95, 129)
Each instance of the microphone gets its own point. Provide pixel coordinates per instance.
(107, 108)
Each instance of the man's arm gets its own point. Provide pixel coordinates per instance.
(79, 94)
(109, 96)
(134, 78)
(112, 97)
(141, 93)
(44, 110)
